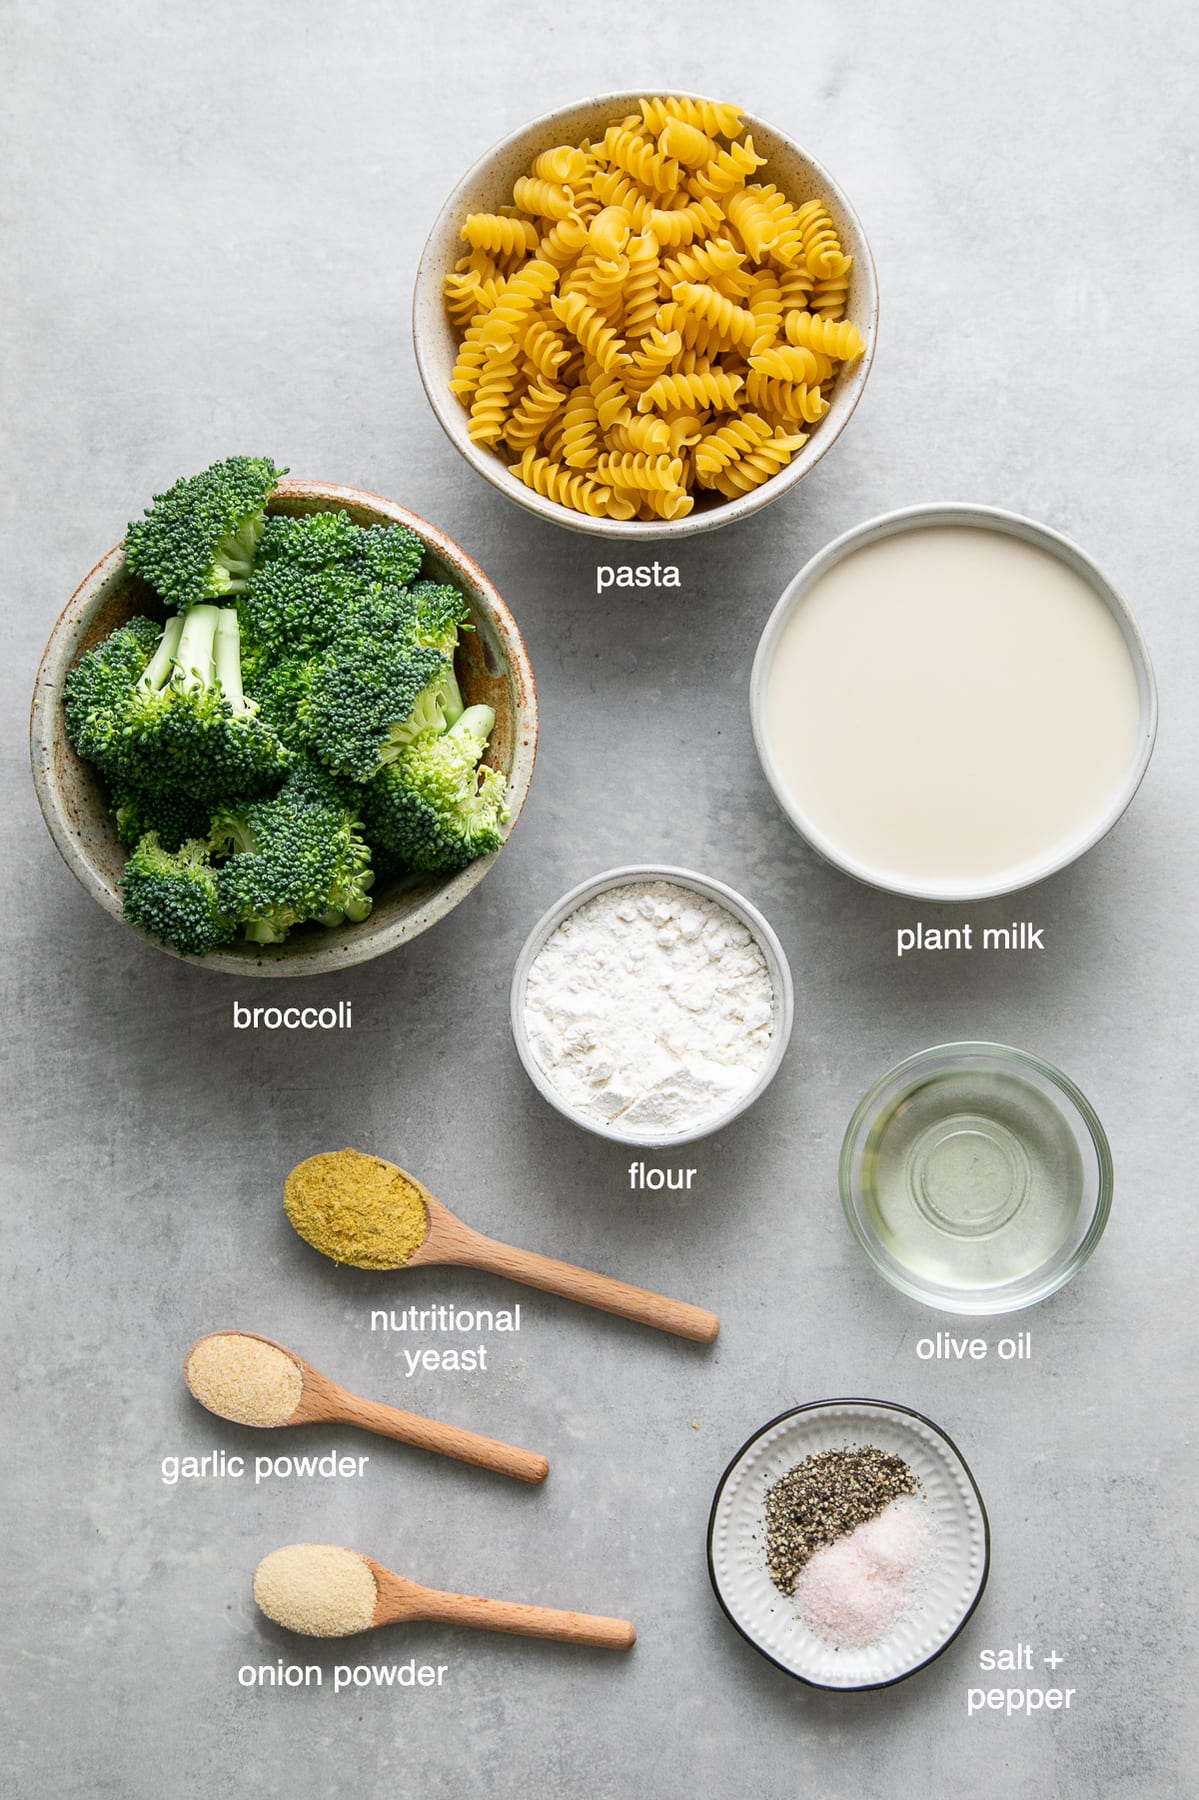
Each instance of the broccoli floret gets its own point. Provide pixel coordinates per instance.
(98, 686)
(279, 689)
(198, 540)
(183, 723)
(174, 896)
(312, 567)
(173, 817)
(434, 809)
(373, 688)
(308, 570)
(441, 613)
(391, 554)
(292, 858)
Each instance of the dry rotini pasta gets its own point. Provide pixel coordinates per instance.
(649, 321)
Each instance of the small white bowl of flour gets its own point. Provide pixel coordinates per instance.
(652, 1005)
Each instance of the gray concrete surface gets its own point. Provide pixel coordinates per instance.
(212, 219)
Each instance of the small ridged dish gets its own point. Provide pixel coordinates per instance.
(770, 1622)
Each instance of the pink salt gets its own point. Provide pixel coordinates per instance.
(852, 1592)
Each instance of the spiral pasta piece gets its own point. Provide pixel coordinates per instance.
(490, 401)
(613, 187)
(699, 338)
(611, 398)
(502, 237)
(462, 295)
(509, 317)
(596, 336)
(830, 297)
(601, 282)
(640, 157)
(718, 448)
(758, 222)
(718, 263)
(710, 389)
(544, 199)
(565, 163)
(655, 354)
(668, 503)
(544, 348)
(831, 337)
(684, 224)
(766, 305)
(765, 460)
(687, 144)
(643, 432)
(787, 399)
(640, 297)
(734, 324)
(685, 428)
(608, 232)
(636, 470)
(580, 430)
(715, 117)
(563, 242)
(579, 492)
(728, 170)
(533, 412)
(787, 362)
(821, 245)
(796, 286)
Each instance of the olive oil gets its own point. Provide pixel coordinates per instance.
(972, 1178)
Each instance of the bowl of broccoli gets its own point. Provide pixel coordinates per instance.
(284, 726)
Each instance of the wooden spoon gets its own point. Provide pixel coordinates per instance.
(322, 1591)
(448, 1241)
(324, 1402)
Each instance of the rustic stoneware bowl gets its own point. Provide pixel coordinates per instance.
(489, 185)
(492, 668)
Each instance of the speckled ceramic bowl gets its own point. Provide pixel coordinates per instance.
(489, 185)
(492, 667)
(952, 1585)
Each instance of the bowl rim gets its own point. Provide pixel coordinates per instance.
(46, 728)
(973, 1303)
(707, 886)
(891, 1406)
(974, 516)
(451, 416)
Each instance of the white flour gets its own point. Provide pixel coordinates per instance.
(650, 1006)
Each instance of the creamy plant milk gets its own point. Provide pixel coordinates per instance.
(952, 704)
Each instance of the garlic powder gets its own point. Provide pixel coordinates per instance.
(650, 1008)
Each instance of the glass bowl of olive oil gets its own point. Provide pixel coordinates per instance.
(976, 1178)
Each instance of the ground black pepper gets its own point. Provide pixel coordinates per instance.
(823, 1498)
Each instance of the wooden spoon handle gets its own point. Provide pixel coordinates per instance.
(590, 1289)
(446, 1440)
(525, 1621)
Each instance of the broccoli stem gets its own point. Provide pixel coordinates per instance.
(195, 656)
(233, 559)
(452, 703)
(227, 659)
(157, 671)
(476, 721)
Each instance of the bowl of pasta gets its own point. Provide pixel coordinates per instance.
(645, 317)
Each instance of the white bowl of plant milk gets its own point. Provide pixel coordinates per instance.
(952, 702)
